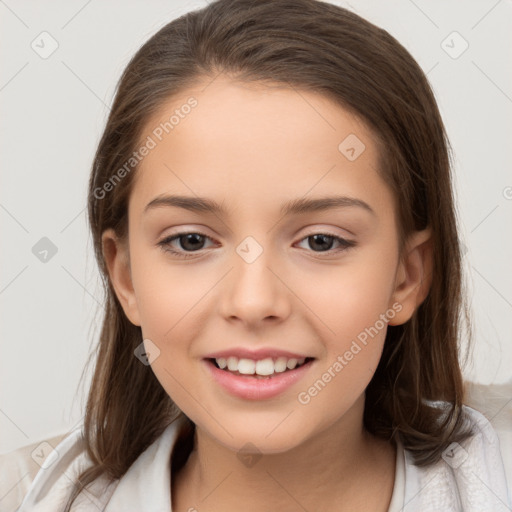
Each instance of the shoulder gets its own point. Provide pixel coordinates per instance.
(469, 477)
(47, 472)
(55, 479)
(19, 467)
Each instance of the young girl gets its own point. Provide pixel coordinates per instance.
(304, 354)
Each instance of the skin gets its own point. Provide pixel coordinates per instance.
(252, 148)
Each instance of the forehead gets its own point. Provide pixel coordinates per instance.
(252, 144)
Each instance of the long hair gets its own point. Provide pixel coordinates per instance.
(313, 46)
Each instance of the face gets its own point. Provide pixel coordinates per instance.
(322, 283)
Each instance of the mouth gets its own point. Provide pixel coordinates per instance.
(249, 384)
(253, 373)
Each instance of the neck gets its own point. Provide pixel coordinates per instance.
(330, 471)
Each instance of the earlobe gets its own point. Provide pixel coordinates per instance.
(117, 260)
(414, 275)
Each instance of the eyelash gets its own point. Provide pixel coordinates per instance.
(165, 244)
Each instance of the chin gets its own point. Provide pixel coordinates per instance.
(251, 439)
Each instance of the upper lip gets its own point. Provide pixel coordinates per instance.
(261, 353)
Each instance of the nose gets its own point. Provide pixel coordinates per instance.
(255, 291)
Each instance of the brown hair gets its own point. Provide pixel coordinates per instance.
(320, 47)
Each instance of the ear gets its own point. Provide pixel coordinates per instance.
(117, 259)
(414, 275)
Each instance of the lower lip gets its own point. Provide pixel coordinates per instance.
(253, 388)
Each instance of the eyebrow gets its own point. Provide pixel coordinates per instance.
(293, 207)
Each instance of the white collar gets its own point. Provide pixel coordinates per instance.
(478, 483)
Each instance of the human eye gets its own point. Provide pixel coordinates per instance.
(193, 241)
(190, 241)
(324, 241)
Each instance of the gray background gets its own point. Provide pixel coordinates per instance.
(53, 110)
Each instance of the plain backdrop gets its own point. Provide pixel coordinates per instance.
(53, 110)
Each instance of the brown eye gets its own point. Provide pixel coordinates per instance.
(189, 242)
(323, 242)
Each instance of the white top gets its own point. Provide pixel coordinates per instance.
(469, 478)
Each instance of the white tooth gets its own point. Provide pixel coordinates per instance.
(246, 366)
(265, 366)
(262, 367)
(233, 363)
(280, 364)
(291, 364)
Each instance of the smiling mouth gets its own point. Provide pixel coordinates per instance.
(307, 361)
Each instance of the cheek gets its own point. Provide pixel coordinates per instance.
(350, 297)
(166, 292)
(169, 300)
(353, 332)
(350, 306)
